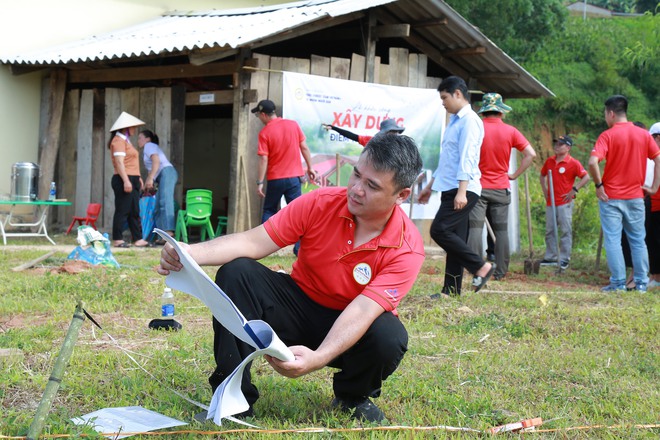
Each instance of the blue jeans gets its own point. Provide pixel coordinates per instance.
(288, 187)
(628, 215)
(165, 215)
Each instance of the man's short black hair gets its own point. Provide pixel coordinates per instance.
(617, 104)
(453, 83)
(395, 153)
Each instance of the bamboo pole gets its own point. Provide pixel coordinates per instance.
(31, 263)
(57, 374)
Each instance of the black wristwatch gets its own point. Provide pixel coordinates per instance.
(598, 185)
(575, 189)
(260, 182)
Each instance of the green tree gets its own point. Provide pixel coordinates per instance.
(527, 25)
(652, 6)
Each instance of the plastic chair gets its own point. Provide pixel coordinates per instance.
(199, 204)
(222, 225)
(93, 211)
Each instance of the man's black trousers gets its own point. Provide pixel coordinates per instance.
(260, 293)
(450, 230)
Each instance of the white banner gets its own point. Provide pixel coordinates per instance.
(359, 108)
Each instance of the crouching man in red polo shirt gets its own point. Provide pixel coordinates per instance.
(359, 256)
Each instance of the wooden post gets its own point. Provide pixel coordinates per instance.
(370, 50)
(57, 374)
(51, 141)
(240, 209)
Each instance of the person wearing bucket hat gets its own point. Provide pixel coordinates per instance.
(621, 190)
(500, 140)
(387, 126)
(281, 143)
(457, 177)
(565, 169)
(126, 181)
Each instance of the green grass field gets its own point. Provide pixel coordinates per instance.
(547, 345)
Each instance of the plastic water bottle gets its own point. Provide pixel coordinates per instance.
(167, 304)
(52, 195)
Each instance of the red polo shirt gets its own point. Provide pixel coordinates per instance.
(499, 140)
(364, 140)
(333, 273)
(564, 174)
(280, 140)
(625, 149)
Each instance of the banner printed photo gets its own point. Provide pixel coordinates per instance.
(359, 107)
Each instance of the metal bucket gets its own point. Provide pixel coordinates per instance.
(24, 181)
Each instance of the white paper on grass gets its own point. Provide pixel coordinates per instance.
(228, 398)
(126, 419)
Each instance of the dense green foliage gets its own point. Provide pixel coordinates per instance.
(588, 62)
(528, 22)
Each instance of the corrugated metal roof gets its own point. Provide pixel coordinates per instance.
(450, 42)
(181, 31)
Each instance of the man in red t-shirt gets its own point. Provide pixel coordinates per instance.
(565, 169)
(499, 140)
(621, 190)
(281, 142)
(359, 256)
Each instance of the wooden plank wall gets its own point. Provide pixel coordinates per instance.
(404, 69)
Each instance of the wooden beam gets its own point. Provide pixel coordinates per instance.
(152, 73)
(199, 57)
(496, 75)
(434, 54)
(392, 30)
(250, 96)
(479, 50)
(211, 97)
(431, 23)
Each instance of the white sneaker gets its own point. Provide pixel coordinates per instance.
(653, 283)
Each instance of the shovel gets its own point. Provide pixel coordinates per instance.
(551, 190)
(531, 265)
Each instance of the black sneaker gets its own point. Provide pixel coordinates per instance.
(563, 265)
(545, 262)
(362, 408)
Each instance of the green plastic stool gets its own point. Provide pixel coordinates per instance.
(222, 225)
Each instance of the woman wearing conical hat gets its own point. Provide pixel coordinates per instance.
(126, 181)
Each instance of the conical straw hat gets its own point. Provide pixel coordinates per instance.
(126, 120)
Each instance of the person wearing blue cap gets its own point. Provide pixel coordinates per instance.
(387, 126)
